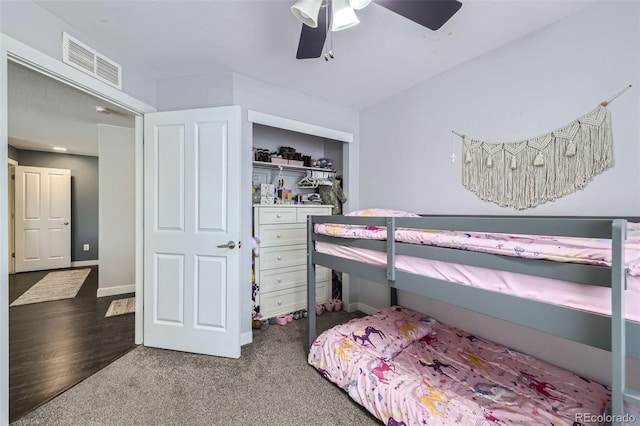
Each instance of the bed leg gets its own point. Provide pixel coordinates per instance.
(394, 296)
(311, 284)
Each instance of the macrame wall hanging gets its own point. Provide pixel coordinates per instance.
(530, 172)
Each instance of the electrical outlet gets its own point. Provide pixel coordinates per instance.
(85, 247)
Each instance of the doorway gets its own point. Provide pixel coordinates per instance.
(55, 343)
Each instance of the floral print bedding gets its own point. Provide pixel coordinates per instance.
(445, 376)
(560, 249)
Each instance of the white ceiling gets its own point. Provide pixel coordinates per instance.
(382, 56)
(44, 113)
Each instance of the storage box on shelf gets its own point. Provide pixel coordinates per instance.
(281, 267)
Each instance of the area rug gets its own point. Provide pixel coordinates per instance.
(121, 307)
(55, 285)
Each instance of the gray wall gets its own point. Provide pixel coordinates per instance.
(84, 196)
(14, 154)
(524, 89)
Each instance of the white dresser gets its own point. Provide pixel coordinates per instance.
(281, 268)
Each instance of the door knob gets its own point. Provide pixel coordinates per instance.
(229, 245)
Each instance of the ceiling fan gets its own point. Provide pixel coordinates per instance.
(340, 14)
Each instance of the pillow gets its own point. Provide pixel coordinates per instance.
(388, 331)
(382, 212)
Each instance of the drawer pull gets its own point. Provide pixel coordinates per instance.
(278, 216)
(279, 302)
(278, 236)
(279, 280)
(279, 257)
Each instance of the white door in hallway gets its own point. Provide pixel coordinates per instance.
(42, 218)
(191, 230)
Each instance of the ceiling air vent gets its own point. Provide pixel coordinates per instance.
(82, 57)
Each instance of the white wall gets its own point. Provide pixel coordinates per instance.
(195, 91)
(524, 89)
(117, 210)
(29, 23)
(4, 252)
(529, 87)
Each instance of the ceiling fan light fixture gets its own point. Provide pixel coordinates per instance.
(343, 16)
(306, 11)
(359, 4)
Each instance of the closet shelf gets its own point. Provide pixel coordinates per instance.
(289, 167)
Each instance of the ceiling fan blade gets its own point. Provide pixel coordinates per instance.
(428, 13)
(312, 39)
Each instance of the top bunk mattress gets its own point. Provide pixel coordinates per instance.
(591, 251)
(574, 295)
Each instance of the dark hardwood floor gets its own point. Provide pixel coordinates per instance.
(55, 345)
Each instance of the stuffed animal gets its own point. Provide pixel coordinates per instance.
(256, 246)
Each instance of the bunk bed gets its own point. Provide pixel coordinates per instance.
(607, 329)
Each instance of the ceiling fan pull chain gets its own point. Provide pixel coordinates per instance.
(328, 46)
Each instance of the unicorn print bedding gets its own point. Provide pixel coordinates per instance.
(408, 369)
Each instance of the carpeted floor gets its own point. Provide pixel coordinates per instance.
(271, 384)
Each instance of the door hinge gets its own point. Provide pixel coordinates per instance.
(13, 177)
(13, 255)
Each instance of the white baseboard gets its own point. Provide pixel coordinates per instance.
(246, 338)
(79, 263)
(351, 307)
(367, 309)
(112, 291)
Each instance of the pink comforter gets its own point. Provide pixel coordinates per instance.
(408, 369)
(560, 249)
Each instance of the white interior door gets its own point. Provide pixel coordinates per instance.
(192, 212)
(42, 218)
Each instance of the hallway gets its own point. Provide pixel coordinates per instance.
(55, 345)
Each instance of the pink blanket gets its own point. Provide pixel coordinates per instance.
(408, 369)
(560, 249)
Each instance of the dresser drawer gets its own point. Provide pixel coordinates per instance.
(303, 212)
(285, 301)
(281, 235)
(286, 278)
(275, 215)
(283, 257)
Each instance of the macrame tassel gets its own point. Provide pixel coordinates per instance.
(539, 160)
(547, 166)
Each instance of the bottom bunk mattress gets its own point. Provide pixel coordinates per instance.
(409, 369)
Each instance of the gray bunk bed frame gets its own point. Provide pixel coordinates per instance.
(608, 333)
